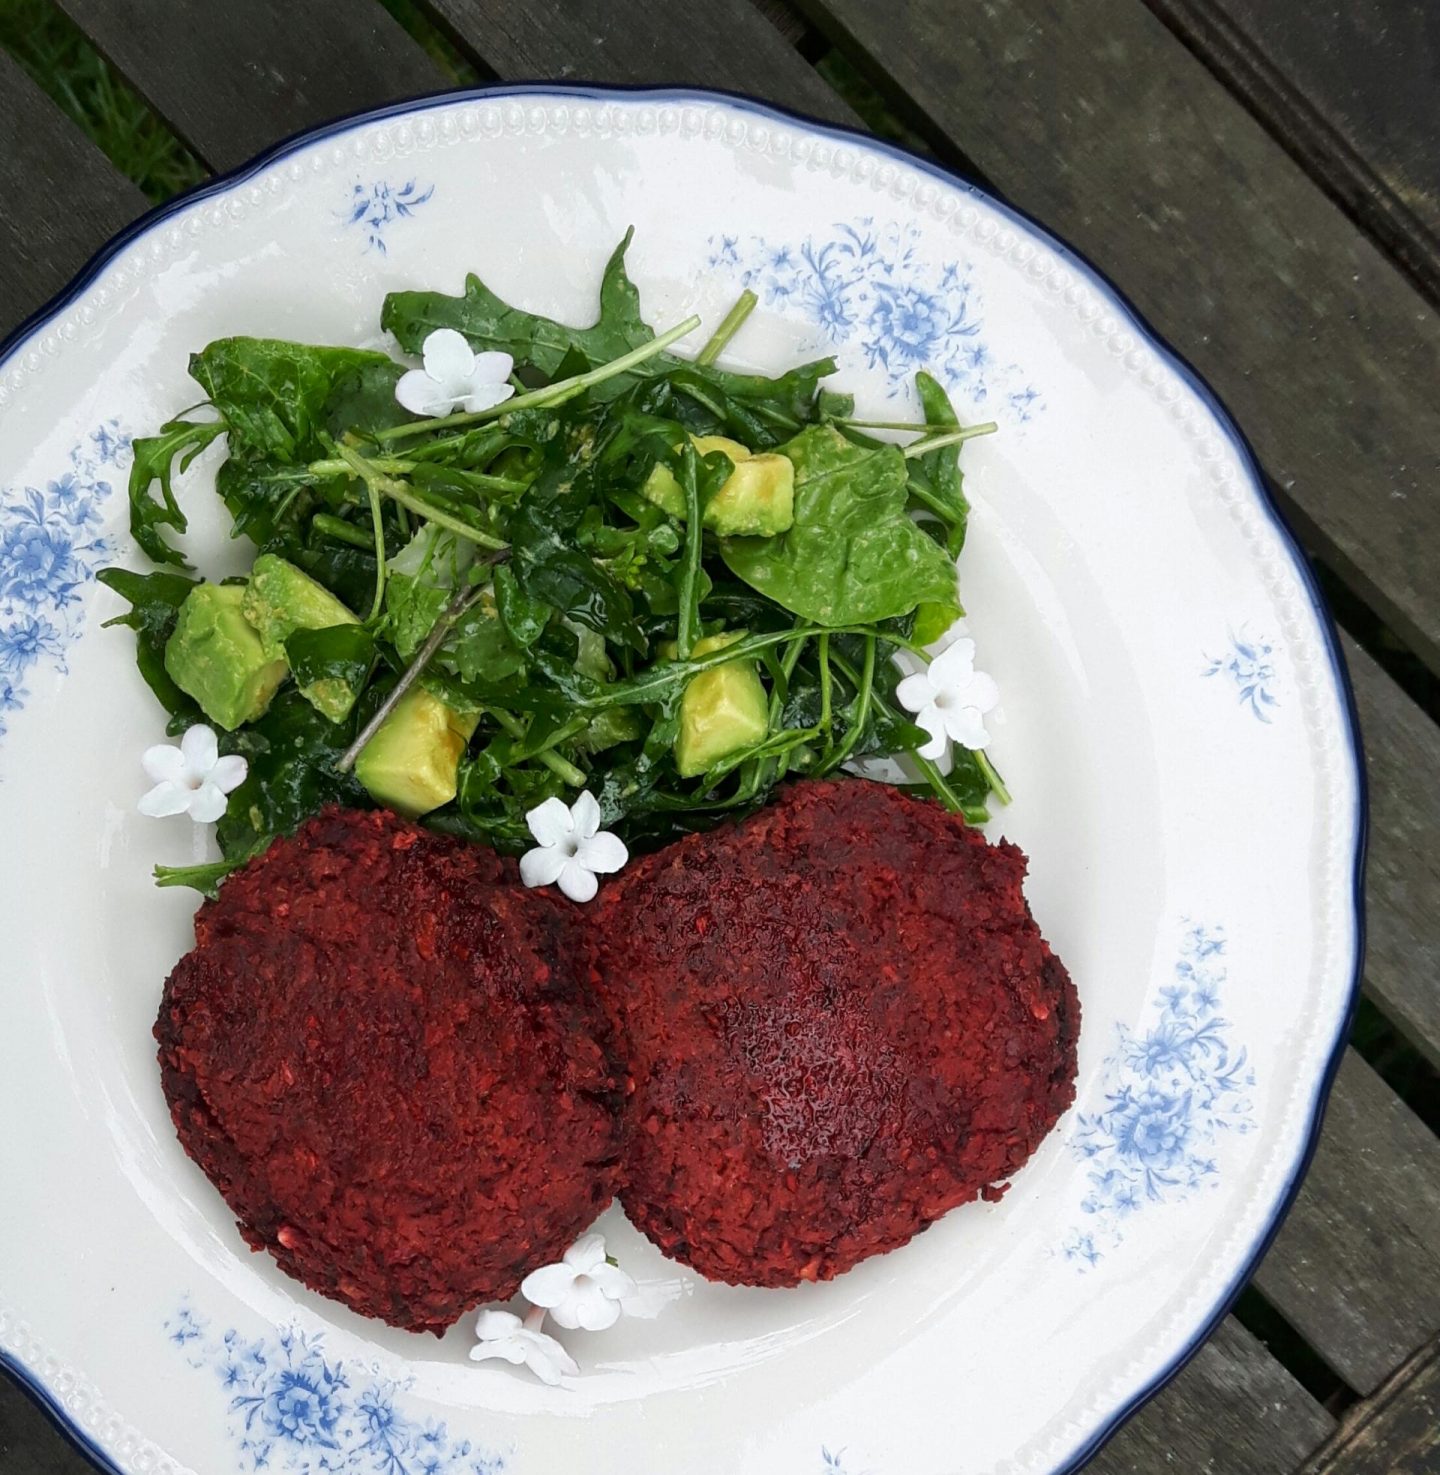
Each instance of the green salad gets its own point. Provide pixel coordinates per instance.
(649, 576)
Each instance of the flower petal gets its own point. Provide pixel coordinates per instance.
(577, 883)
(447, 357)
(493, 367)
(421, 395)
(208, 803)
(614, 1282)
(586, 1254)
(165, 799)
(602, 853)
(512, 1351)
(953, 664)
(491, 1324)
(163, 763)
(546, 1358)
(593, 1310)
(586, 813)
(932, 719)
(229, 772)
(549, 1286)
(543, 865)
(980, 692)
(550, 822)
(200, 749)
(484, 396)
(967, 726)
(916, 692)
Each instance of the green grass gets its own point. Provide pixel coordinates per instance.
(59, 58)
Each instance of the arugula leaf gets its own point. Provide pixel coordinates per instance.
(291, 752)
(492, 324)
(265, 496)
(272, 395)
(935, 477)
(155, 601)
(524, 618)
(479, 648)
(205, 878)
(853, 556)
(155, 458)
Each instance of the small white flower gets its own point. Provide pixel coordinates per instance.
(502, 1334)
(573, 849)
(455, 377)
(584, 1290)
(191, 779)
(950, 699)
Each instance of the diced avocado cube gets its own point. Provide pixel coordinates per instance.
(723, 710)
(281, 599)
(411, 763)
(756, 500)
(215, 655)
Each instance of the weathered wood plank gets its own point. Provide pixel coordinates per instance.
(1402, 873)
(1356, 1268)
(1397, 1432)
(1348, 88)
(29, 1443)
(1098, 120)
(704, 43)
(63, 198)
(1232, 1411)
(251, 71)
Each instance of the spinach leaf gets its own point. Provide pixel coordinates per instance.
(155, 458)
(155, 601)
(265, 496)
(853, 556)
(935, 478)
(479, 648)
(343, 654)
(291, 752)
(524, 618)
(489, 323)
(362, 397)
(271, 394)
(412, 605)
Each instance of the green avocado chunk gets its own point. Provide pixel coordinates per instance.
(757, 499)
(281, 599)
(215, 655)
(412, 762)
(723, 710)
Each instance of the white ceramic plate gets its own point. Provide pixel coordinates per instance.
(1175, 730)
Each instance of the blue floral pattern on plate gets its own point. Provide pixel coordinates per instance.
(869, 284)
(1249, 665)
(291, 1407)
(375, 207)
(1173, 1092)
(49, 551)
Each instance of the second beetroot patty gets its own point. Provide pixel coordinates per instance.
(841, 1022)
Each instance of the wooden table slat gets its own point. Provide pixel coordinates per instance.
(251, 71)
(1098, 120)
(1397, 1432)
(1402, 873)
(1232, 1411)
(1356, 1268)
(702, 43)
(63, 197)
(1351, 90)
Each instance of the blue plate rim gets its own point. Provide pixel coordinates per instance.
(541, 90)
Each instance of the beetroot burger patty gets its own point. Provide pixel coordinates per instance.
(380, 1054)
(841, 1022)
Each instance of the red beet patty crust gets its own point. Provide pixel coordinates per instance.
(841, 1023)
(381, 1053)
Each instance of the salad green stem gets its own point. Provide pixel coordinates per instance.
(730, 324)
(344, 532)
(950, 438)
(947, 796)
(377, 523)
(859, 709)
(688, 623)
(551, 394)
(462, 601)
(337, 466)
(397, 491)
(997, 784)
(565, 771)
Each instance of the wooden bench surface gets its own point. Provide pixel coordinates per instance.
(1262, 184)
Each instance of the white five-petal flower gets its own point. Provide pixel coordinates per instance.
(573, 849)
(192, 779)
(950, 699)
(455, 377)
(584, 1290)
(502, 1334)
